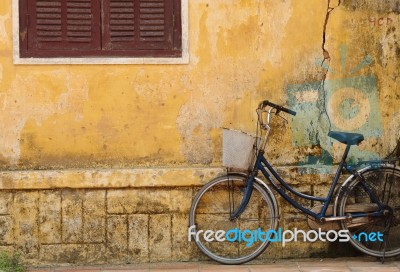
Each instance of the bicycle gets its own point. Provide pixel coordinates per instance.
(236, 204)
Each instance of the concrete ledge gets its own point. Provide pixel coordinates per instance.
(106, 178)
(142, 177)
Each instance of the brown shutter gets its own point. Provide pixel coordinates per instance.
(138, 24)
(95, 28)
(63, 25)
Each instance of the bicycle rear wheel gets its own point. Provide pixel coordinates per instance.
(384, 183)
(211, 210)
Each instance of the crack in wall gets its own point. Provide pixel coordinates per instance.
(326, 62)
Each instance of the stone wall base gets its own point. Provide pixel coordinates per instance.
(123, 225)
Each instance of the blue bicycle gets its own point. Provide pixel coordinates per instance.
(234, 218)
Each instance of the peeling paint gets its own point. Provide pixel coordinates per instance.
(197, 146)
(170, 115)
(368, 5)
(3, 31)
(390, 46)
(272, 24)
(23, 102)
(222, 49)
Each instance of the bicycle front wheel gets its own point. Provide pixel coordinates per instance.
(231, 241)
(377, 236)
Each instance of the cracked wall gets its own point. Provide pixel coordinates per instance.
(358, 90)
(70, 116)
(369, 29)
(156, 115)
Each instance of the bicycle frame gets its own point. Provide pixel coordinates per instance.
(268, 171)
(262, 164)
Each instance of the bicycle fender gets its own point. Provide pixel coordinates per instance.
(271, 195)
(351, 177)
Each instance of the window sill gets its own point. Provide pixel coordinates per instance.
(43, 61)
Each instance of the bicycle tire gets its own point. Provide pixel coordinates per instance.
(384, 182)
(211, 209)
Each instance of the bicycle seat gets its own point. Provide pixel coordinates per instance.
(346, 138)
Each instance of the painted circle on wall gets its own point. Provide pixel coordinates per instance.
(349, 108)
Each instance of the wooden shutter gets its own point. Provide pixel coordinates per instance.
(96, 28)
(64, 25)
(138, 24)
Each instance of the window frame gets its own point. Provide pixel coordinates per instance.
(115, 59)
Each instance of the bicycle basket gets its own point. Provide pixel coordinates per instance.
(238, 150)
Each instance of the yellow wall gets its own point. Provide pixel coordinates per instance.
(84, 116)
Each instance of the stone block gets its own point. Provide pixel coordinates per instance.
(94, 212)
(26, 218)
(72, 217)
(321, 190)
(287, 208)
(50, 217)
(122, 201)
(96, 254)
(156, 200)
(160, 241)
(182, 249)
(6, 199)
(6, 230)
(138, 243)
(273, 251)
(63, 254)
(117, 238)
(180, 200)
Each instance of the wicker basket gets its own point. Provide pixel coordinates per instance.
(238, 149)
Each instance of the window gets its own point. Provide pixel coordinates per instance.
(100, 28)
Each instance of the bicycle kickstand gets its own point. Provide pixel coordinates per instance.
(386, 234)
(382, 259)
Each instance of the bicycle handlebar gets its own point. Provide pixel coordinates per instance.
(279, 108)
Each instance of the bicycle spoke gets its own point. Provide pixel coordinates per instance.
(230, 192)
